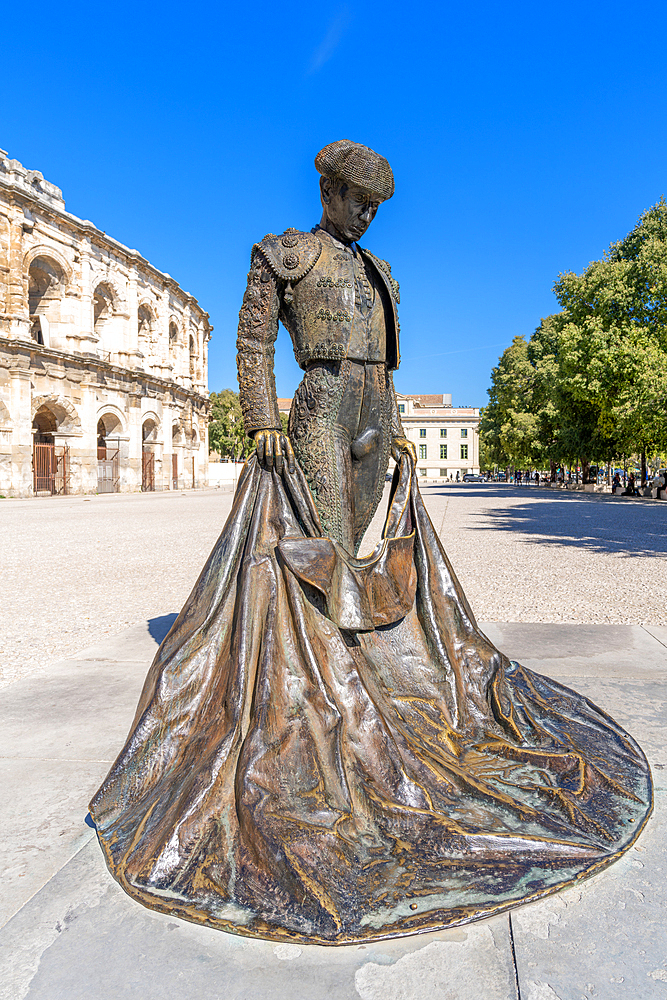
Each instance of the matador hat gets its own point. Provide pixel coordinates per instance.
(356, 164)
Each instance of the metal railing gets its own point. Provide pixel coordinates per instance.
(108, 470)
(51, 468)
(147, 471)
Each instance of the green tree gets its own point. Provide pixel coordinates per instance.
(543, 354)
(615, 336)
(226, 430)
(509, 428)
(578, 395)
(591, 383)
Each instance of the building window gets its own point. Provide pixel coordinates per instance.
(193, 357)
(422, 451)
(464, 451)
(422, 432)
(103, 307)
(45, 287)
(464, 432)
(422, 472)
(443, 432)
(443, 451)
(443, 472)
(145, 327)
(401, 407)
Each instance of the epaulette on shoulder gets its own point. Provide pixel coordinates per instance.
(291, 255)
(385, 267)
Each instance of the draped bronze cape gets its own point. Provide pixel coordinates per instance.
(328, 750)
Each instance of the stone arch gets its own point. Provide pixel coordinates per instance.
(5, 243)
(146, 321)
(46, 281)
(150, 426)
(6, 422)
(192, 343)
(175, 330)
(66, 417)
(44, 426)
(105, 304)
(116, 289)
(177, 432)
(115, 283)
(149, 304)
(112, 420)
(50, 253)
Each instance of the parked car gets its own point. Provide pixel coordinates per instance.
(472, 477)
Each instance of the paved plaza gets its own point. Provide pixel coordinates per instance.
(84, 567)
(573, 585)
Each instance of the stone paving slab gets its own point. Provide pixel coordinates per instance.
(73, 933)
(605, 939)
(83, 938)
(659, 632)
(58, 739)
(43, 823)
(583, 650)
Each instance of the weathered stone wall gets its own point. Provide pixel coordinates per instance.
(96, 347)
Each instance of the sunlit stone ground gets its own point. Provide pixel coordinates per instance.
(75, 569)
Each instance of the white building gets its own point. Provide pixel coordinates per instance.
(446, 437)
(103, 358)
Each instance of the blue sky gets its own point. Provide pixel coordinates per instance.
(524, 138)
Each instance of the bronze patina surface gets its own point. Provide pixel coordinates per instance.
(339, 303)
(327, 749)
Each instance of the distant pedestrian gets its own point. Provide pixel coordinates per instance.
(616, 483)
(631, 490)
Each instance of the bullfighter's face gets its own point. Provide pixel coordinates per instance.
(348, 208)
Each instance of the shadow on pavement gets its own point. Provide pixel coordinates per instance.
(160, 626)
(598, 523)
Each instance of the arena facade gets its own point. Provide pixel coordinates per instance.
(103, 358)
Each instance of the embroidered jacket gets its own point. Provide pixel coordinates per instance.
(307, 282)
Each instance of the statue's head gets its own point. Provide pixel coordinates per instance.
(354, 181)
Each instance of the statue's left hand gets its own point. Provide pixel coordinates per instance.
(401, 444)
(274, 450)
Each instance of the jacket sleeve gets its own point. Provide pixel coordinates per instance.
(396, 424)
(255, 345)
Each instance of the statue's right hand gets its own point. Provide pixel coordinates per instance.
(274, 450)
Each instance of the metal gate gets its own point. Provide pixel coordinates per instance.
(147, 471)
(51, 468)
(108, 470)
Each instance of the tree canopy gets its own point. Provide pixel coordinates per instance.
(591, 382)
(226, 432)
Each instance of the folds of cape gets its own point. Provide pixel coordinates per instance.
(309, 710)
